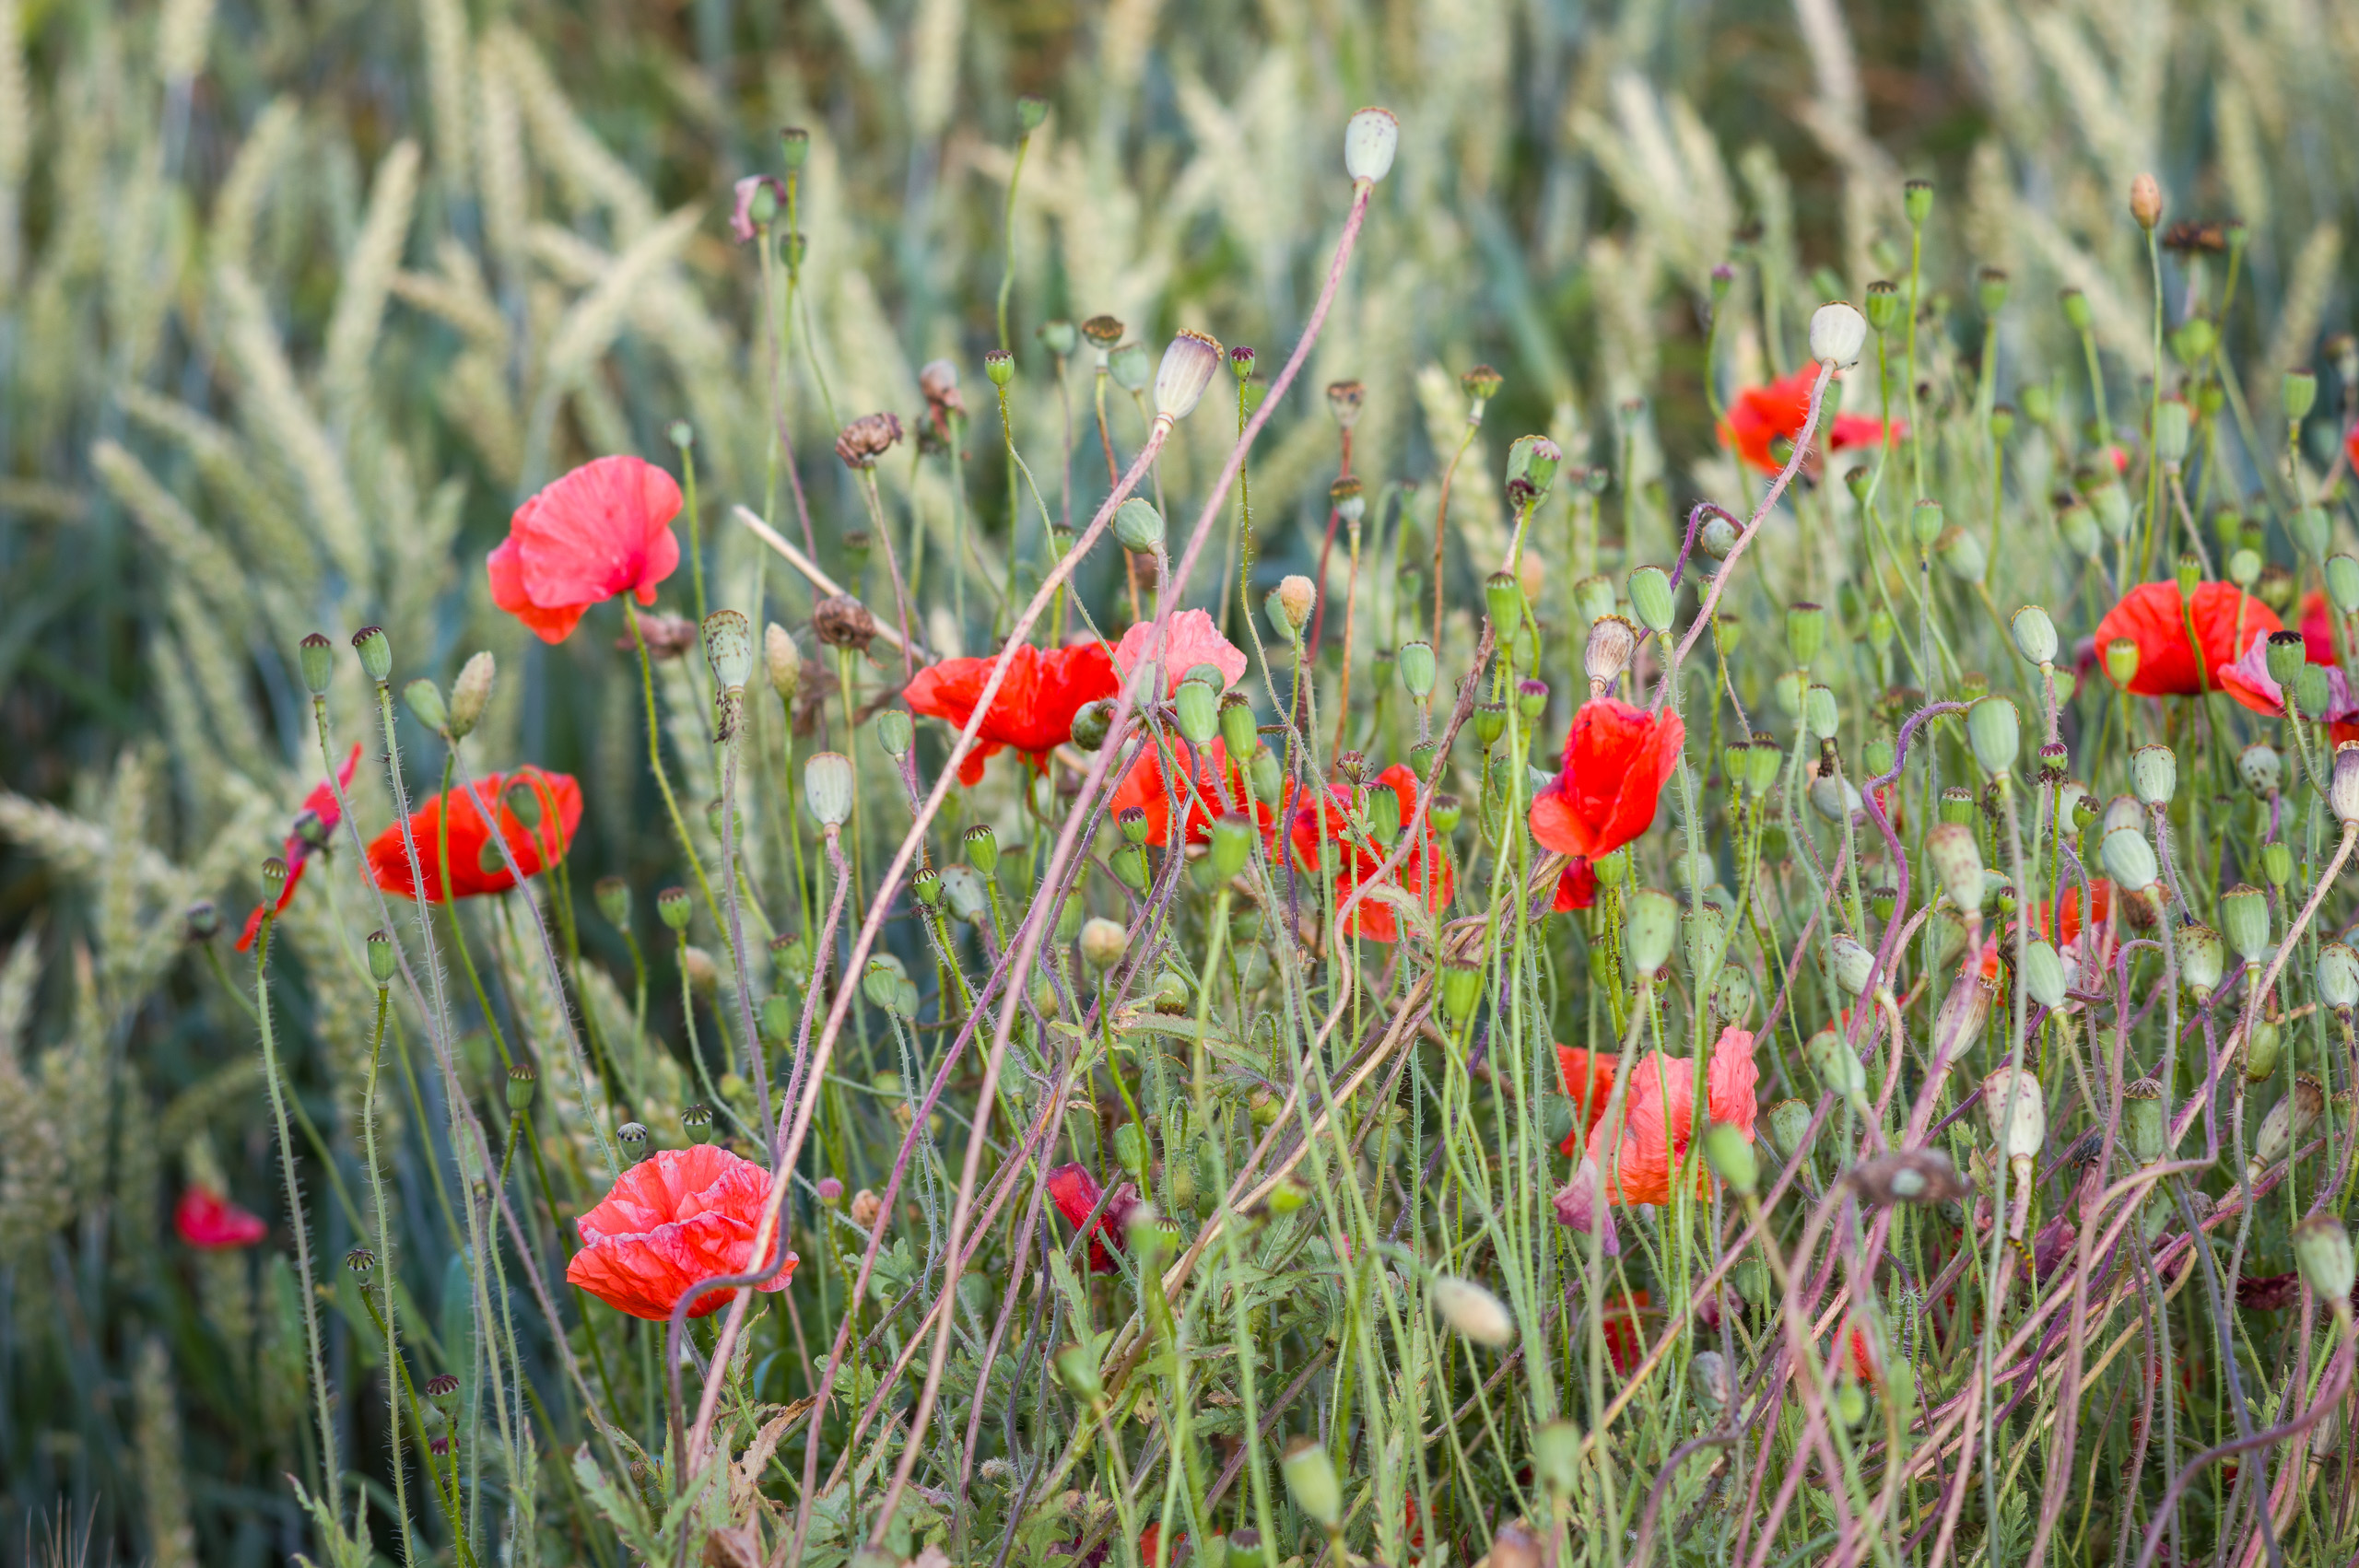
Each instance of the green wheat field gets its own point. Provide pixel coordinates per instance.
(1003, 782)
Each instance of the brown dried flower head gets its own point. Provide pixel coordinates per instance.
(867, 438)
(1102, 332)
(842, 621)
(1344, 401)
(668, 636)
(939, 382)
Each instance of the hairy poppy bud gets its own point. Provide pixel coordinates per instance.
(2141, 1119)
(2130, 860)
(2203, 957)
(1957, 860)
(1474, 1311)
(425, 699)
(1103, 944)
(1650, 598)
(1290, 605)
(2147, 201)
(1730, 1154)
(2035, 635)
(1370, 138)
(1310, 1480)
(1651, 925)
(1128, 365)
(2287, 1124)
(1198, 710)
(2016, 1112)
(2153, 774)
(1236, 719)
(2322, 1254)
(782, 661)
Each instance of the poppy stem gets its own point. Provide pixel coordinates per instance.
(655, 763)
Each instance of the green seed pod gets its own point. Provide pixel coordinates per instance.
(1236, 723)
(634, 1141)
(2287, 1126)
(1132, 821)
(2243, 912)
(2130, 860)
(381, 959)
(376, 653)
(1130, 868)
(2255, 1051)
(1090, 723)
(1962, 553)
(1884, 307)
(1138, 525)
(2153, 774)
(2172, 422)
(1650, 598)
(777, 1019)
(1462, 988)
(672, 906)
(826, 788)
(1444, 813)
(316, 655)
(2338, 976)
(1805, 632)
(1820, 713)
(894, 729)
(2035, 635)
(2043, 975)
(2261, 768)
(1916, 202)
(1836, 1066)
(1077, 1370)
(2141, 1120)
(1532, 460)
(1103, 942)
(1956, 857)
(2310, 530)
(1264, 774)
(1787, 1121)
(999, 367)
(1130, 1149)
(1233, 843)
(2298, 392)
(2322, 1254)
(2277, 863)
(1651, 927)
(1592, 597)
(2203, 958)
(2076, 310)
(1854, 965)
(1131, 367)
(1416, 665)
(1555, 1458)
(2110, 503)
(1994, 730)
(1199, 707)
(1927, 524)
(1311, 1481)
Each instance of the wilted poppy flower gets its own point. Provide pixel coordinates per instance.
(2248, 681)
(1616, 757)
(1762, 416)
(670, 1223)
(1145, 787)
(1659, 1116)
(1032, 710)
(741, 217)
(1075, 1192)
(317, 819)
(1193, 640)
(1581, 1207)
(538, 812)
(602, 530)
(1359, 857)
(2227, 621)
(206, 1219)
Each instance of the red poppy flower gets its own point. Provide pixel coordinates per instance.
(1577, 889)
(1625, 1347)
(1075, 1192)
(1616, 757)
(1195, 640)
(602, 530)
(1588, 1083)
(317, 820)
(2248, 681)
(1151, 1537)
(2351, 445)
(1659, 1111)
(211, 1223)
(538, 812)
(1144, 787)
(2318, 628)
(1359, 857)
(2227, 621)
(1864, 1363)
(1761, 416)
(1033, 708)
(670, 1223)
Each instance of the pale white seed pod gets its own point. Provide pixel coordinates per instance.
(1187, 369)
(826, 788)
(1370, 139)
(1837, 334)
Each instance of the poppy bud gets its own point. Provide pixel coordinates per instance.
(1474, 1311)
(1993, 730)
(1718, 538)
(729, 648)
(1415, 661)
(777, 1022)
(672, 906)
(1731, 1153)
(1232, 838)
(1503, 601)
(376, 653)
(1370, 138)
(634, 1139)
(1103, 944)
(2203, 957)
(1090, 723)
(2129, 858)
(1838, 332)
(1289, 606)
(784, 660)
(2255, 1050)
(2276, 863)
(1651, 927)
(2322, 1254)
(1837, 1067)
(1650, 598)
(2342, 784)
(316, 654)
(1262, 773)
(826, 788)
(2147, 201)
(1130, 868)
(2243, 912)
(2172, 422)
(1187, 369)
(1854, 965)
(1556, 1457)
(1821, 714)
(894, 729)
(703, 973)
(2310, 530)
(2338, 976)
(1462, 988)
(1926, 522)
(2076, 309)
(425, 699)
(968, 898)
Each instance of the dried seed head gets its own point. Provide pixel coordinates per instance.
(867, 438)
(1186, 371)
(1344, 401)
(866, 1210)
(939, 383)
(841, 621)
(1481, 383)
(1102, 332)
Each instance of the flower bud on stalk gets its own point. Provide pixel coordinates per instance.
(1370, 138)
(376, 653)
(1187, 369)
(316, 656)
(1964, 1009)
(1474, 1311)
(2130, 860)
(1957, 860)
(1837, 1067)
(1838, 332)
(1994, 730)
(2143, 1117)
(1652, 927)
(1650, 598)
(2203, 958)
(781, 659)
(2322, 1253)
(2017, 1114)
(826, 788)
